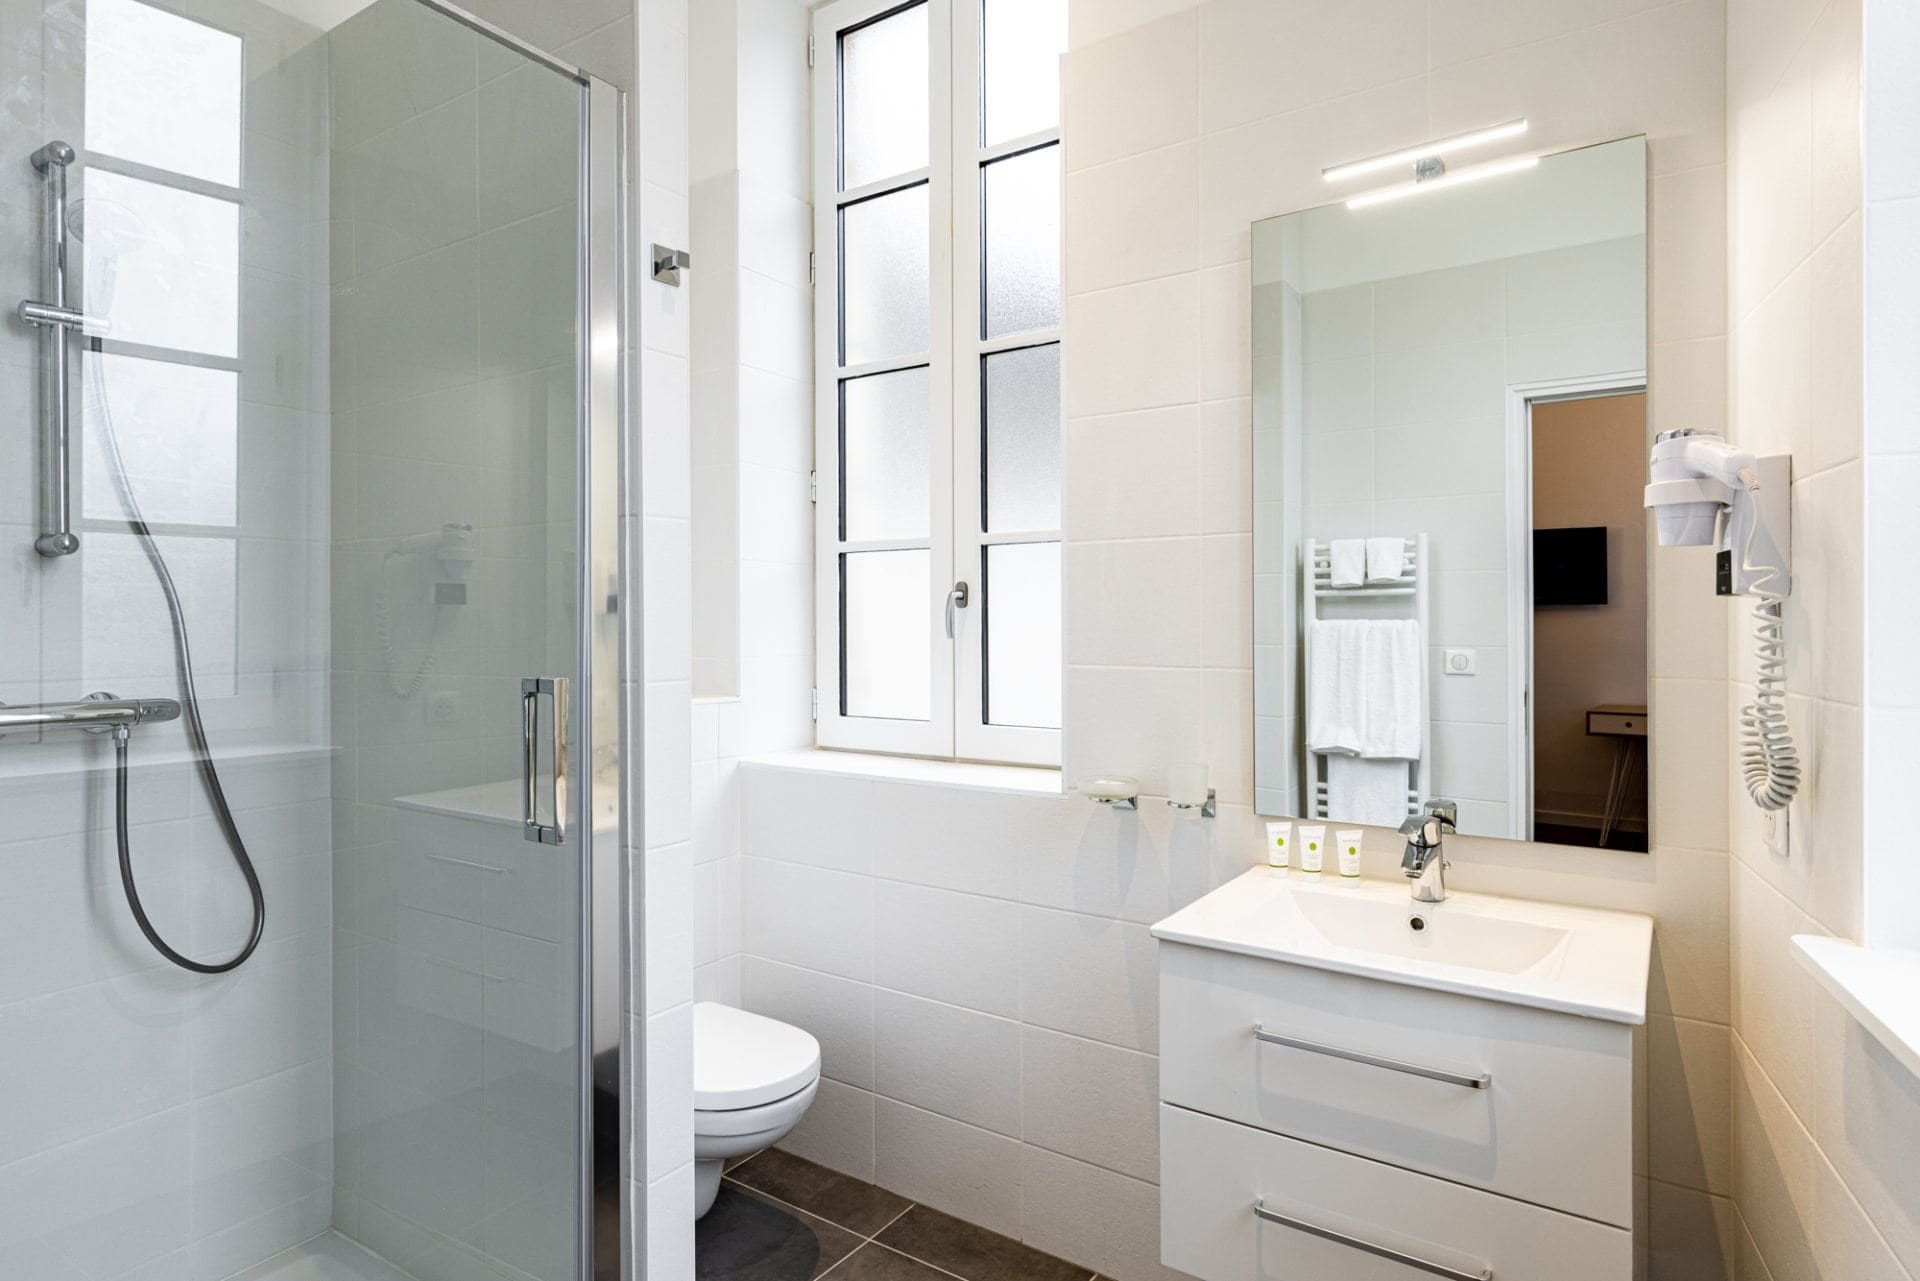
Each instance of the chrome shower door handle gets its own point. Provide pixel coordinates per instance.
(531, 688)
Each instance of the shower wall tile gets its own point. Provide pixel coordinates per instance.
(214, 1136)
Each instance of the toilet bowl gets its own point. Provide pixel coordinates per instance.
(753, 1078)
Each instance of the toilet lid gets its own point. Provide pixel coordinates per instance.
(743, 1060)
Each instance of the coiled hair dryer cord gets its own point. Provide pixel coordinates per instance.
(1769, 762)
(196, 737)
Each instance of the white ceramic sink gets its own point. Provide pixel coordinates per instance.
(1547, 955)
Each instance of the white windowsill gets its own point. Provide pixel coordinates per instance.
(913, 769)
(1880, 987)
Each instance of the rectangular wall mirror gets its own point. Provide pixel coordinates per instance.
(1450, 556)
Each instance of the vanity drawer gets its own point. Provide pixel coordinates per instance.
(1525, 1102)
(1346, 1216)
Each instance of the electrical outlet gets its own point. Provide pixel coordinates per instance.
(443, 707)
(1776, 829)
(1459, 662)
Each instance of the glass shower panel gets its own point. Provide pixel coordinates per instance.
(323, 359)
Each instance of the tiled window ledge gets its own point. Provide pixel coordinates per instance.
(912, 769)
(1879, 987)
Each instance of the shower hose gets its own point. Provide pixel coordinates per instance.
(196, 732)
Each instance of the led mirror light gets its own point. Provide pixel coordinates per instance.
(1457, 178)
(1441, 147)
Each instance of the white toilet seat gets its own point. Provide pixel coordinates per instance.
(743, 1060)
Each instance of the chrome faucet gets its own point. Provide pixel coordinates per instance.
(1424, 864)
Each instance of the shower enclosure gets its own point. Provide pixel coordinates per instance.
(310, 645)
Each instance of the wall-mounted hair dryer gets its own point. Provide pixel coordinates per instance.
(452, 546)
(1704, 491)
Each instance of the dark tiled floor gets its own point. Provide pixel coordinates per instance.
(779, 1218)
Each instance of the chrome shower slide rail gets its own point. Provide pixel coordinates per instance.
(60, 319)
(100, 712)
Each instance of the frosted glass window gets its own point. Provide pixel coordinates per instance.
(178, 428)
(885, 277)
(883, 450)
(162, 265)
(888, 646)
(1023, 41)
(163, 90)
(1022, 242)
(124, 621)
(884, 121)
(1020, 402)
(1023, 635)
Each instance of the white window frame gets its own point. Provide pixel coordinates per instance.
(957, 546)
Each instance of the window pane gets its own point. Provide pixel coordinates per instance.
(163, 90)
(162, 265)
(1021, 405)
(178, 431)
(884, 459)
(883, 98)
(1022, 42)
(888, 654)
(884, 277)
(1023, 635)
(1023, 242)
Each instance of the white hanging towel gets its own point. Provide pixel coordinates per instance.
(1363, 790)
(1347, 562)
(1386, 560)
(1336, 697)
(1393, 668)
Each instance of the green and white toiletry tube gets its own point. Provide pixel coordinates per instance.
(1349, 842)
(1313, 846)
(1279, 844)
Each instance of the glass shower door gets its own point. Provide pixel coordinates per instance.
(292, 447)
(455, 535)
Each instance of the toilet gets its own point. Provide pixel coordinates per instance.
(753, 1078)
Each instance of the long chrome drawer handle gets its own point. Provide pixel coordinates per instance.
(1481, 1082)
(1368, 1247)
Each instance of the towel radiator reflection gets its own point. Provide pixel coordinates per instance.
(1316, 577)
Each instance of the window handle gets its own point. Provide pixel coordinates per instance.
(956, 599)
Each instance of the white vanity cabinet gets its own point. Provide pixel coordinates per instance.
(1331, 1112)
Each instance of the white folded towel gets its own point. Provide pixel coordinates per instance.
(1336, 707)
(1360, 790)
(1390, 723)
(1363, 695)
(1348, 562)
(1386, 560)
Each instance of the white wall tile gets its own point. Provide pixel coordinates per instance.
(1091, 976)
(1091, 1101)
(961, 949)
(812, 918)
(1139, 218)
(955, 1168)
(1132, 93)
(959, 1063)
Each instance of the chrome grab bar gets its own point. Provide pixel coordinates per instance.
(1481, 1082)
(531, 688)
(102, 711)
(1368, 1247)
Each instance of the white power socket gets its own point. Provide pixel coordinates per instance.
(1776, 829)
(1459, 662)
(443, 707)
